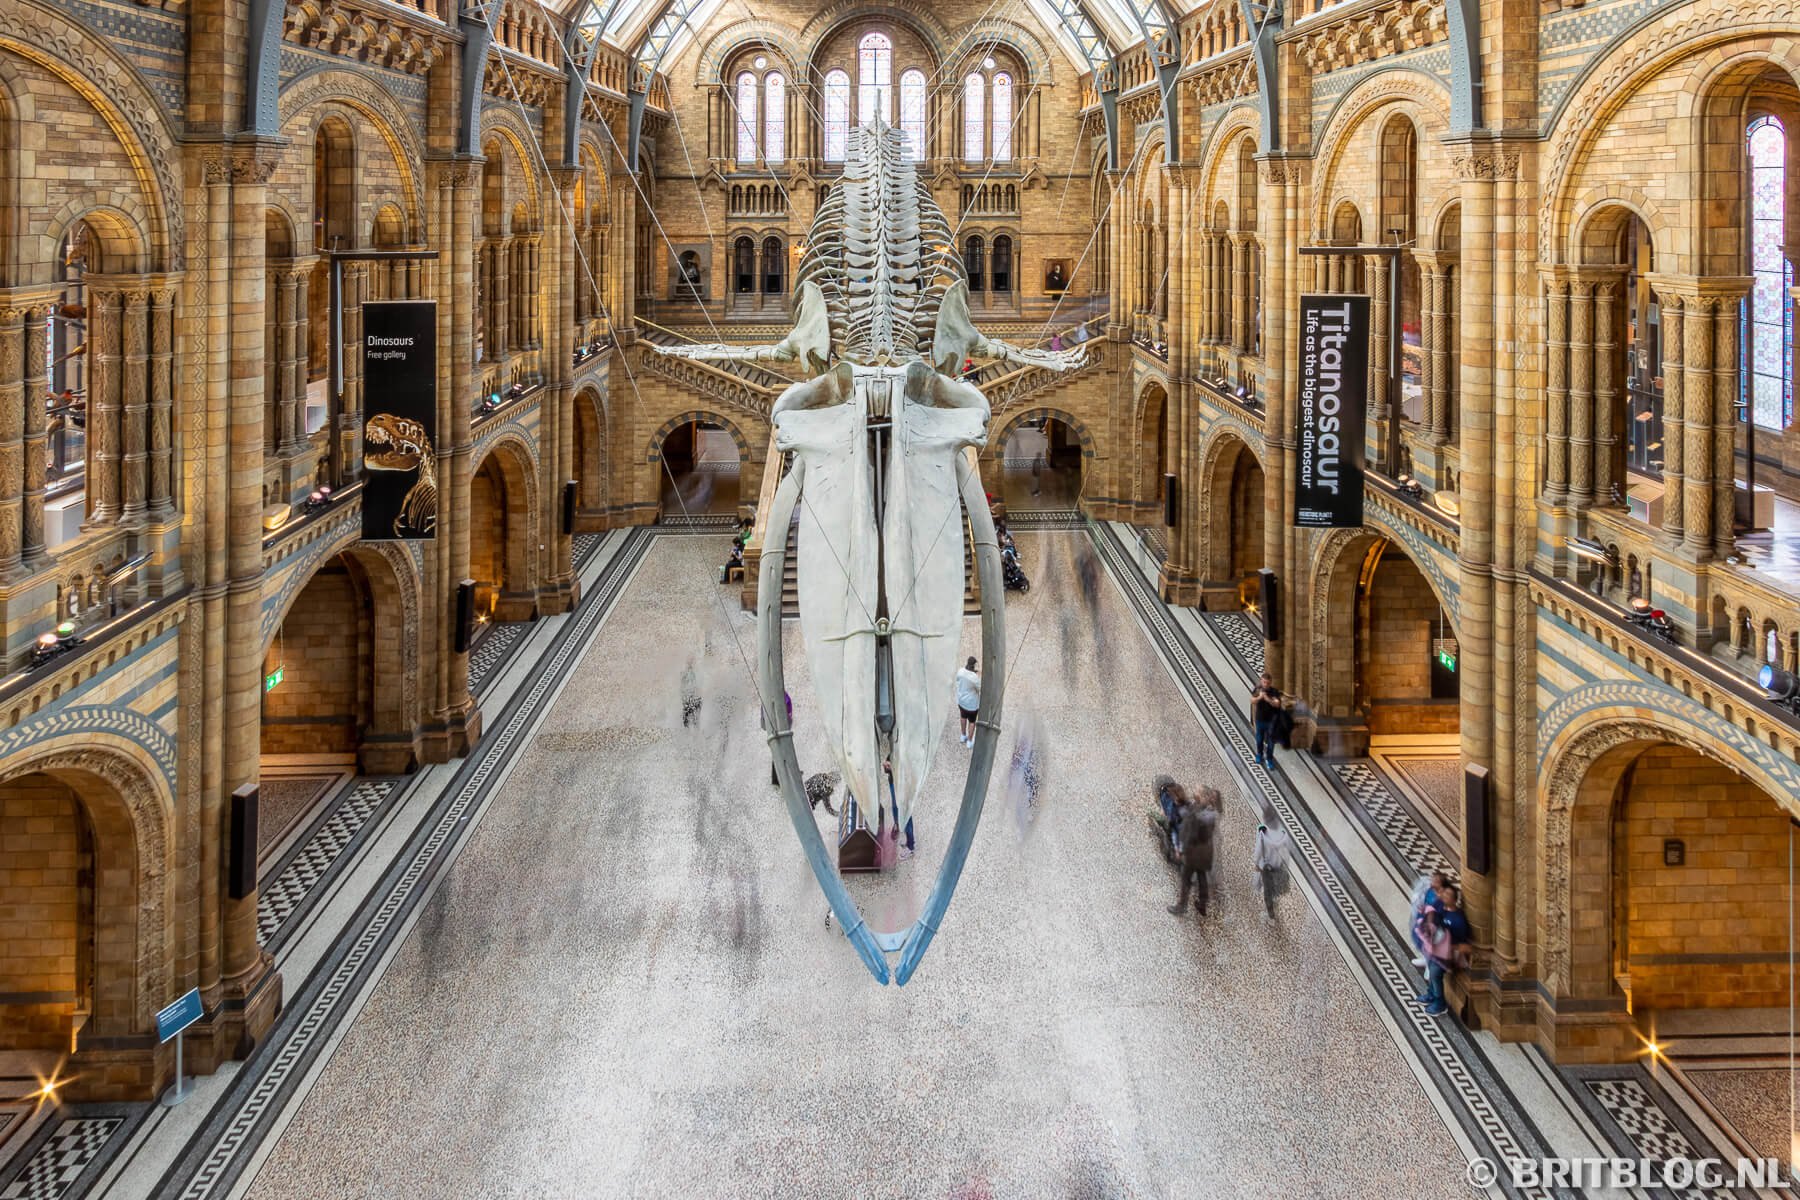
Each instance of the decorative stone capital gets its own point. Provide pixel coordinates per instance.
(1181, 175)
(249, 162)
(1701, 293)
(1485, 164)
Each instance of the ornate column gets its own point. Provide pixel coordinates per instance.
(134, 425)
(106, 308)
(1674, 311)
(31, 530)
(1240, 292)
(1438, 353)
(288, 327)
(1556, 388)
(1381, 406)
(14, 326)
(162, 400)
(1429, 287)
(1608, 487)
(349, 432)
(1581, 392)
(1724, 416)
(534, 300)
(1697, 405)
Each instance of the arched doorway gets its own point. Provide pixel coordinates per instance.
(1041, 462)
(1385, 664)
(334, 674)
(1234, 527)
(500, 538)
(591, 469)
(1155, 456)
(701, 471)
(72, 975)
(1676, 918)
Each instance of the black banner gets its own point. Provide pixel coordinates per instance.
(399, 435)
(1334, 380)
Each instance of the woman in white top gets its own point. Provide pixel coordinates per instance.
(1273, 848)
(968, 699)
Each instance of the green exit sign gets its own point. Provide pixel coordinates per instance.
(273, 678)
(1448, 659)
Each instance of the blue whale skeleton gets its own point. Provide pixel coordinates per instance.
(882, 469)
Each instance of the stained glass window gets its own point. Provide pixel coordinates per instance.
(774, 117)
(837, 116)
(1003, 117)
(974, 113)
(875, 78)
(1769, 310)
(746, 118)
(912, 113)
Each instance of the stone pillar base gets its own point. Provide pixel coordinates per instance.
(388, 756)
(1177, 587)
(1340, 737)
(441, 742)
(559, 596)
(515, 606)
(1219, 597)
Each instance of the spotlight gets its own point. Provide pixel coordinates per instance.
(1590, 551)
(1780, 685)
(1411, 486)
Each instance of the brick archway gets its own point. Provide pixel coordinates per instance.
(1230, 513)
(503, 530)
(118, 831)
(653, 452)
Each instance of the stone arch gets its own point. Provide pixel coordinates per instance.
(1151, 430)
(827, 21)
(128, 804)
(1240, 119)
(1596, 733)
(1054, 414)
(1420, 97)
(500, 120)
(996, 30)
(1602, 218)
(1226, 455)
(1338, 564)
(1713, 31)
(653, 451)
(593, 446)
(1446, 226)
(122, 237)
(776, 39)
(516, 469)
(134, 116)
(312, 91)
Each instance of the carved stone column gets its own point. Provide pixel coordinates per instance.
(14, 387)
(134, 404)
(1381, 405)
(105, 319)
(288, 333)
(1724, 415)
(31, 530)
(162, 403)
(350, 421)
(1697, 403)
(1608, 486)
(1674, 311)
(1556, 389)
(1581, 392)
(1240, 292)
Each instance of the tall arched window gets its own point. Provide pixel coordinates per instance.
(1003, 117)
(974, 257)
(974, 113)
(1769, 310)
(744, 265)
(774, 117)
(874, 78)
(837, 116)
(912, 113)
(746, 118)
(774, 266)
(1002, 276)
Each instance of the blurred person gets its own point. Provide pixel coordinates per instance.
(1265, 707)
(968, 699)
(1196, 842)
(1273, 849)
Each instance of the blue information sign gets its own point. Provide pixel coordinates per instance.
(179, 1015)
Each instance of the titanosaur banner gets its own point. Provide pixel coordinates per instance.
(1334, 375)
(400, 436)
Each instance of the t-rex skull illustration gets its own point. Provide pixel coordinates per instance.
(392, 443)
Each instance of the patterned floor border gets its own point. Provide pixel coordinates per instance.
(1244, 640)
(210, 1164)
(67, 1153)
(494, 641)
(1039, 520)
(284, 890)
(1482, 1103)
(1634, 1109)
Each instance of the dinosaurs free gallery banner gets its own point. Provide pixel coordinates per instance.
(400, 437)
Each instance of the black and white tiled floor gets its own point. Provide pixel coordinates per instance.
(492, 647)
(60, 1159)
(1640, 1114)
(281, 896)
(1378, 797)
(1244, 640)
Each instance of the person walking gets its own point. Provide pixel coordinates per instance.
(1273, 848)
(906, 851)
(1445, 935)
(1265, 706)
(1424, 900)
(968, 699)
(1196, 836)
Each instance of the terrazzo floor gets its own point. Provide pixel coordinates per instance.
(625, 985)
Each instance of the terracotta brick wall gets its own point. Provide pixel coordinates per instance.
(1246, 518)
(316, 708)
(1728, 900)
(40, 912)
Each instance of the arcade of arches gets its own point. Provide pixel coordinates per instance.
(1556, 655)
